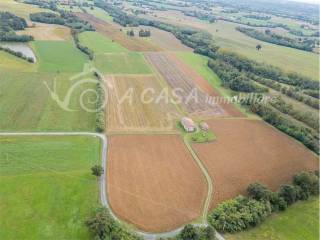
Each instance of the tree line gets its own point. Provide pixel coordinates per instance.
(268, 36)
(17, 54)
(241, 213)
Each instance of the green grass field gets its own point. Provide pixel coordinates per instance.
(46, 187)
(100, 44)
(10, 62)
(289, 59)
(299, 221)
(54, 56)
(122, 63)
(99, 13)
(26, 104)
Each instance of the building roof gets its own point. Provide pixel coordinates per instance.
(187, 122)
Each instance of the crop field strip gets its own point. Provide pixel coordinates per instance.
(166, 191)
(247, 151)
(177, 78)
(135, 115)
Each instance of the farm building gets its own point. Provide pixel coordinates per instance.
(204, 126)
(188, 124)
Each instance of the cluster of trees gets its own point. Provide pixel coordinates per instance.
(292, 93)
(82, 48)
(306, 117)
(190, 232)
(312, 93)
(242, 213)
(201, 15)
(268, 36)
(103, 226)
(9, 23)
(43, 4)
(63, 18)
(144, 33)
(258, 17)
(100, 105)
(17, 54)
(293, 129)
(232, 78)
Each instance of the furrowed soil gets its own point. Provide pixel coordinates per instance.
(114, 32)
(247, 151)
(153, 182)
(141, 110)
(195, 92)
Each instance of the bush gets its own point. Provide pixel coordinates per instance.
(308, 182)
(289, 193)
(259, 192)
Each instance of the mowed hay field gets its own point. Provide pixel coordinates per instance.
(27, 105)
(299, 221)
(133, 105)
(187, 84)
(48, 32)
(13, 63)
(99, 43)
(59, 56)
(122, 63)
(247, 151)
(114, 32)
(154, 183)
(46, 187)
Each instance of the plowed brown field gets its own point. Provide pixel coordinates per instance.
(153, 182)
(196, 91)
(112, 31)
(247, 151)
(140, 111)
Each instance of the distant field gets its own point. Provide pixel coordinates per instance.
(137, 115)
(59, 56)
(117, 33)
(299, 221)
(247, 151)
(99, 13)
(20, 9)
(227, 37)
(49, 32)
(154, 183)
(26, 104)
(99, 43)
(122, 63)
(46, 187)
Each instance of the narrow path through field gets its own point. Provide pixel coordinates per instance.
(103, 194)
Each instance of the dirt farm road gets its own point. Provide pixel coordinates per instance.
(103, 194)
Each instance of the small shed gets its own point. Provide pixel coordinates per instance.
(204, 126)
(188, 124)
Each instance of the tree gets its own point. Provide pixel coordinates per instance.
(308, 182)
(288, 193)
(207, 233)
(98, 224)
(97, 171)
(258, 47)
(259, 192)
(189, 232)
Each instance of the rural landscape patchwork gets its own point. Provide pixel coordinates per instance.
(159, 119)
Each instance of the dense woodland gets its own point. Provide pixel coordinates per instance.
(267, 36)
(9, 23)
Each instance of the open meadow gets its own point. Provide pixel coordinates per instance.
(149, 188)
(46, 187)
(301, 219)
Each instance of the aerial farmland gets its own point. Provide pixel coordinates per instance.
(171, 119)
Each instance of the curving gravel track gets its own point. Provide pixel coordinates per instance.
(103, 194)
